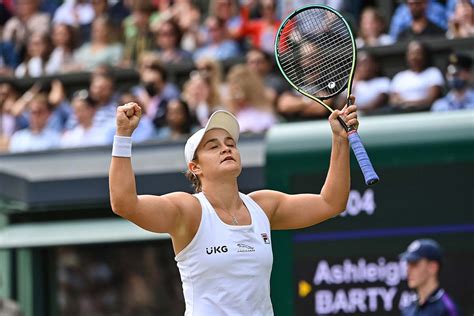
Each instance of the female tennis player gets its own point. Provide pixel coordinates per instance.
(220, 236)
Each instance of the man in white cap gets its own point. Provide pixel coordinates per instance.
(220, 236)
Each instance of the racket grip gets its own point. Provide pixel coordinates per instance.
(363, 159)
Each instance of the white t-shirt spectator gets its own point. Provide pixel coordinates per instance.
(25, 140)
(73, 13)
(81, 137)
(255, 120)
(368, 90)
(412, 86)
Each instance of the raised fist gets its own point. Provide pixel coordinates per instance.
(127, 118)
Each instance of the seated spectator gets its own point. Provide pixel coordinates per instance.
(39, 50)
(55, 92)
(27, 20)
(179, 121)
(420, 26)
(153, 80)
(419, 86)
(262, 31)
(228, 12)
(247, 100)
(7, 121)
(292, 105)
(76, 13)
(147, 60)
(402, 18)
(100, 50)
(37, 136)
(137, 32)
(262, 63)
(461, 94)
(85, 133)
(370, 88)
(461, 23)
(188, 17)
(202, 97)
(101, 91)
(220, 46)
(64, 43)
(145, 129)
(167, 39)
(371, 29)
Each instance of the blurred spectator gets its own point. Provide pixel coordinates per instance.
(147, 60)
(262, 63)
(420, 25)
(137, 33)
(228, 12)
(37, 136)
(27, 19)
(461, 23)
(188, 18)
(220, 46)
(202, 97)
(39, 50)
(419, 86)
(7, 121)
(9, 307)
(461, 94)
(153, 80)
(145, 129)
(424, 259)
(85, 133)
(262, 31)
(64, 43)
(101, 92)
(402, 18)
(101, 49)
(370, 87)
(247, 100)
(293, 105)
(167, 39)
(371, 29)
(77, 13)
(9, 59)
(179, 121)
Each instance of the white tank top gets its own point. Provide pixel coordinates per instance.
(225, 269)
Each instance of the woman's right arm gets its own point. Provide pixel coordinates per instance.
(162, 214)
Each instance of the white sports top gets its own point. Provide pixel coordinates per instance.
(226, 269)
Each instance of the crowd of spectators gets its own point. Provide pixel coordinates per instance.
(100, 37)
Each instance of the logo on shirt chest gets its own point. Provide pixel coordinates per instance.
(216, 249)
(265, 238)
(245, 248)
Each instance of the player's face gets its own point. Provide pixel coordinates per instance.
(218, 154)
(418, 273)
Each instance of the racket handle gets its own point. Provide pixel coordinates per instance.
(363, 159)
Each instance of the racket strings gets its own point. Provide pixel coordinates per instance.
(317, 51)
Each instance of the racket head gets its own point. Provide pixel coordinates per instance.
(316, 53)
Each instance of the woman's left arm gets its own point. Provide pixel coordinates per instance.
(287, 211)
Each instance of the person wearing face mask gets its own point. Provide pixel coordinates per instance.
(461, 94)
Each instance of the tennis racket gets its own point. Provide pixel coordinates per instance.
(316, 53)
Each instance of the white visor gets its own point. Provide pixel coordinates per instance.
(219, 119)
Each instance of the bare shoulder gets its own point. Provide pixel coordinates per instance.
(184, 201)
(268, 200)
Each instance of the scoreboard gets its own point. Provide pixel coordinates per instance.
(349, 264)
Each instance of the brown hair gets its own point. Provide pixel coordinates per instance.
(194, 179)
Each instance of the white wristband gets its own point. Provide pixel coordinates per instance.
(122, 146)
